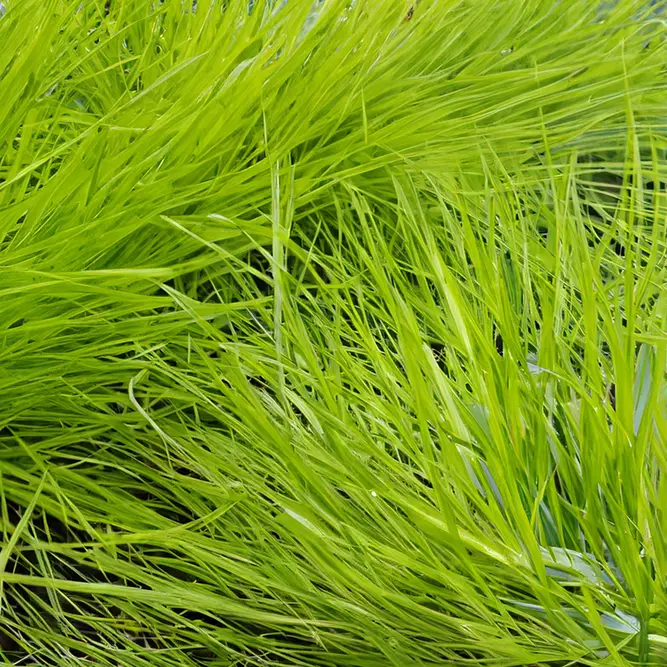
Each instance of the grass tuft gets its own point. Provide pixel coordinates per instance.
(333, 333)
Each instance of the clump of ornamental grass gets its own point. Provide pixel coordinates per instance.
(333, 333)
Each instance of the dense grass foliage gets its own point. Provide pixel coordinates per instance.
(333, 334)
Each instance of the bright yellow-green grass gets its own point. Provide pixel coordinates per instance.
(333, 334)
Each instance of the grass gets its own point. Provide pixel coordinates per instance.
(333, 335)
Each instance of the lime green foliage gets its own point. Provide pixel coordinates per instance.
(333, 334)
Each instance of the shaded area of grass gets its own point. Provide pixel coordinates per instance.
(333, 339)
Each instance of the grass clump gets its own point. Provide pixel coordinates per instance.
(333, 334)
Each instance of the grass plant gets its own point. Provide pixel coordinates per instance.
(333, 334)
